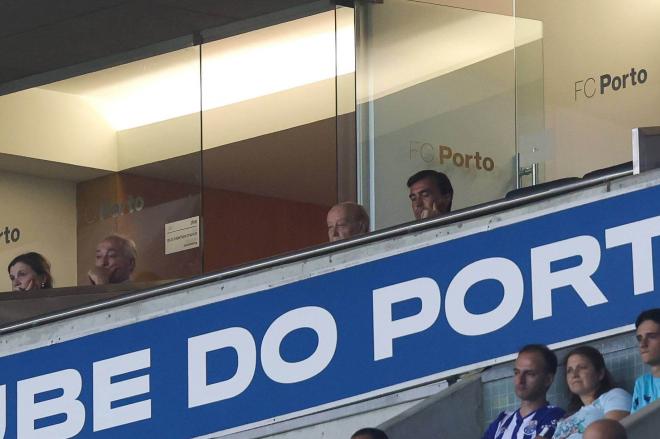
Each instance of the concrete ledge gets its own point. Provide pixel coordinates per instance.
(454, 413)
(644, 424)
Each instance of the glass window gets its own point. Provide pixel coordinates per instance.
(435, 91)
(271, 114)
(116, 175)
(114, 152)
(599, 82)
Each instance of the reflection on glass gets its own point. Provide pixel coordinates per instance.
(115, 152)
(436, 90)
(593, 54)
(269, 138)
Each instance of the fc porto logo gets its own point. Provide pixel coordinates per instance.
(530, 429)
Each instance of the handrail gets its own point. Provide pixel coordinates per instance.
(321, 250)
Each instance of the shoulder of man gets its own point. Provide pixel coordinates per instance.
(492, 429)
(547, 418)
(551, 412)
(641, 384)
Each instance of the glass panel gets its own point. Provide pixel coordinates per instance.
(435, 90)
(346, 147)
(111, 152)
(599, 64)
(531, 137)
(269, 139)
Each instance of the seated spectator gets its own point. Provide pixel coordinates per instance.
(647, 387)
(346, 220)
(593, 394)
(431, 194)
(29, 271)
(605, 429)
(533, 374)
(369, 433)
(115, 261)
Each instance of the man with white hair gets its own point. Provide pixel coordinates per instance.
(115, 261)
(346, 220)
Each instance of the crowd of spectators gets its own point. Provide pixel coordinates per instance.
(596, 405)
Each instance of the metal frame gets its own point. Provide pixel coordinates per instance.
(411, 227)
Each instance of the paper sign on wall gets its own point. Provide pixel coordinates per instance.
(182, 235)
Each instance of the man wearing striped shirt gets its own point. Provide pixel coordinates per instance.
(533, 374)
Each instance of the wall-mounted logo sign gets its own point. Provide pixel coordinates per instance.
(9, 235)
(610, 83)
(132, 204)
(444, 154)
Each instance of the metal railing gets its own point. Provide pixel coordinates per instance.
(380, 235)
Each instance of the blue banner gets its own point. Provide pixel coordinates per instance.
(343, 334)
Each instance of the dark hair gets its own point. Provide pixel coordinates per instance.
(440, 179)
(649, 314)
(598, 362)
(38, 263)
(374, 433)
(549, 357)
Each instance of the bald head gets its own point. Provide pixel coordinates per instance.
(117, 256)
(605, 429)
(346, 220)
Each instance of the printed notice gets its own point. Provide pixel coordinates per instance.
(182, 235)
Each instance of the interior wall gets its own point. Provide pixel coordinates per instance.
(465, 112)
(44, 212)
(269, 114)
(586, 39)
(240, 227)
(504, 7)
(56, 126)
(137, 207)
(270, 194)
(158, 141)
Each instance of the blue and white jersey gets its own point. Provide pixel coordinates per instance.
(511, 425)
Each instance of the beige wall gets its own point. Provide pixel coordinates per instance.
(45, 213)
(495, 6)
(588, 38)
(56, 126)
(279, 77)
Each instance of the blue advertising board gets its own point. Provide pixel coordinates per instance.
(337, 336)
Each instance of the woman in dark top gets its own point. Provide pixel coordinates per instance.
(29, 271)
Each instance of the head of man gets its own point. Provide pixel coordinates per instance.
(346, 220)
(430, 194)
(605, 429)
(534, 372)
(115, 259)
(369, 433)
(648, 337)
